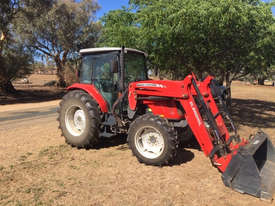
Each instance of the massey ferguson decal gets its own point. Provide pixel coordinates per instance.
(150, 85)
(195, 113)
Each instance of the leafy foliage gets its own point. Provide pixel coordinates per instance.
(58, 28)
(226, 38)
(15, 63)
(14, 58)
(119, 29)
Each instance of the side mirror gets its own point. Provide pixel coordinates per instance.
(114, 66)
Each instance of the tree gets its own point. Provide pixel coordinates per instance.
(119, 29)
(14, 58)
(267, 48)
(58, 28)
(8, 10)
(15, 62)
(219, 37)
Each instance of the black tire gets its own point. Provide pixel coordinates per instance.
(79, 102)
(159, 127)
(185, 135)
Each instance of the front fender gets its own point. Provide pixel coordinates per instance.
(91, 90)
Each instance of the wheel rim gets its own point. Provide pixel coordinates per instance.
(149, 142)
(75, 120)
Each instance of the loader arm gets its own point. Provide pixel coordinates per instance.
(209, 128)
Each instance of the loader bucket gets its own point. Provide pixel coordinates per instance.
(252, 169)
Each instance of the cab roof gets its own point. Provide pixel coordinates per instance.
(108, 49)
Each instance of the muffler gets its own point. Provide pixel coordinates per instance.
(252, 169)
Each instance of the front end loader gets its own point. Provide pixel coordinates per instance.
(247, 166)
(115, 96)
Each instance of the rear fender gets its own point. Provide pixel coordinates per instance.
(91, 90)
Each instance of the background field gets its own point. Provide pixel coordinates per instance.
(33, 89)
(38, 168)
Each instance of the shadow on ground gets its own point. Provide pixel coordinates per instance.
(183, 155)
(253, 113)
(118, 140)
(31, 96)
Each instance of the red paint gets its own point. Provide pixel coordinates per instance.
(91, 90)
(209, 100)
(166, 108)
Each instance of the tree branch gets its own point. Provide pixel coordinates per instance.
(43, 46)
(43, 51)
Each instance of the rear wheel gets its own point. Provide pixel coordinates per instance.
(153, 140)
(79, 119)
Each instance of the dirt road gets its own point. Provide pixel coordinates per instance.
(38, 168)
(15, 119)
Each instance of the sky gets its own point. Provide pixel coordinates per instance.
(107, 5)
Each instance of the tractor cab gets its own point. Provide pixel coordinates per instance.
(111, 69)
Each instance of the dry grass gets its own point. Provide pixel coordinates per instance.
(38, 168)
(41, 79)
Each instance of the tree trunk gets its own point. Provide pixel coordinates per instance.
(60, 65)
(221, 79)
(7, 87)
(61, 79)
(199, 75)
(60, 72)
(158, 74)
(261, 80)
(228, 89)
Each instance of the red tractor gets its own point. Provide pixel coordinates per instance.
(115, 96)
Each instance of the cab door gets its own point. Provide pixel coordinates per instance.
(103, 78)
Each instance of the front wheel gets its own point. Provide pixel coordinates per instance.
(153, 140)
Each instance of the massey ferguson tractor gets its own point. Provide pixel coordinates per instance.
(114, 96)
